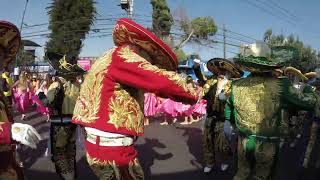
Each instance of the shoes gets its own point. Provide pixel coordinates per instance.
(224, 167)
(207, 169)
(298, 136)
(20, 164)
(23, 116)
(292, 145)
(164, 123)
(48, 118)
(46, 154)
(175, 120)
(184, 123)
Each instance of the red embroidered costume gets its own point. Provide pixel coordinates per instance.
(110, 105)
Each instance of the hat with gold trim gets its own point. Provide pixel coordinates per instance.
(128, 32)
(10, 42)
(259, 57)
(64, 66)
(217, 64)
(295, 72)
(310, 75)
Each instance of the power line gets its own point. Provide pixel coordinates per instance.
(273, 7)
(268, 11)
(285, 10)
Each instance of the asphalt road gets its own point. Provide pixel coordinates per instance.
(165, 152)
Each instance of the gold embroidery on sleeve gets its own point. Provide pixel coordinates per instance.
(131, 57)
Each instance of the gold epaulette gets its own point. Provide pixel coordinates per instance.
(207, 86)
(227, 89)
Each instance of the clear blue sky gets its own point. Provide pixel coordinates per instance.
(241, 16)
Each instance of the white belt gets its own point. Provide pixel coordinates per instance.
(109, 139)
(61, 120)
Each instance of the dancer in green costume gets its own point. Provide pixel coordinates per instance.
(254, 107)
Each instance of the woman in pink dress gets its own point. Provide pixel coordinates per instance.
(40, 97)
(169, 109)
(22, 97)
(150, 106)
(185, 110)
(198, 110)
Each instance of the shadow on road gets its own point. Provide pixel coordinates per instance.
(150, 154)
(30, 156)
(194, 143)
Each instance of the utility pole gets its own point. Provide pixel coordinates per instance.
(224, 42)
(130, 12)
(128, 6)
(21, 25)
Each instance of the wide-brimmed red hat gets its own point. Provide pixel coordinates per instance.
(129, 32)
(10, 41)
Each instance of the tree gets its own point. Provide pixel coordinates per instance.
(70, 21)
(308, 58)
(161, 18)
(197, 30)
(181, 55)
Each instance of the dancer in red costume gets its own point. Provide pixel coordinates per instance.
(110, 105)
(10, 132)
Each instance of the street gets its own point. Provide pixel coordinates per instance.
(165, 152)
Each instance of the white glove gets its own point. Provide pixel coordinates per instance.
(222, 97)
(25, 134)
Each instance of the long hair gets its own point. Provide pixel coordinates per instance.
(23, 80)
(47, 79)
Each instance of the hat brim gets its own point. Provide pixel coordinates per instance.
(129, 32)
(217, 64)
(69, 72)
(310, 75)
(258, 64)
(10, 41)
(296, 72)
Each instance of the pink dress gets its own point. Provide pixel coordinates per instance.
(199, 109)
(184, 109)
(22, 100)
(150, 104)
(169, 108)
(40, 107)
(35, 99)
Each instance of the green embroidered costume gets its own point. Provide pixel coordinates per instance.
(255, 107)
(213, 139)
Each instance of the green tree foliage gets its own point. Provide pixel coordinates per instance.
(203, 27)
(161, 18)
(181, 55)
(70, 21)
(25, 58)
(197, 30)
(308, 57)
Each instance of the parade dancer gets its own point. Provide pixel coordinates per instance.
(296, 116)
(110, 105)
(198, 110)
(62, 95)
(151, 103)
(22, 94)
(215, 92)
(254, 107)
(11, 133)
(314, 126)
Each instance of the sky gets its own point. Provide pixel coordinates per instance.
(246, 17)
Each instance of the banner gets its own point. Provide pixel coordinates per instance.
(85, 63)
